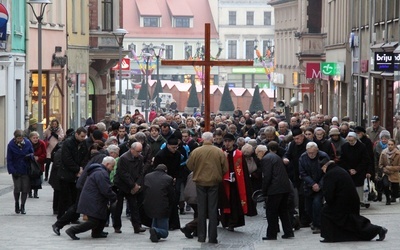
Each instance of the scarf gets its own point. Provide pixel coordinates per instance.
(384, 146)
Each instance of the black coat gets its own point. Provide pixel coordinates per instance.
(171, 160)
(74, 155)
(129, 172)
(340, 216)
(275, 178)
(356, 157)
(96, 193)
(159, 194)
(293, 154)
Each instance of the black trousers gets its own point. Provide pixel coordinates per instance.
(133, 205)
(68, 194)
(207, 201)
(70, 215)
(96, 225)
(277, 207)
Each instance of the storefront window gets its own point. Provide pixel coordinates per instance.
(55, 98)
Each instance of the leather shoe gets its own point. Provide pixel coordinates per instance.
(231, 229)
(139, 230)
(382, 234)
(71, 234)
(288, 236)
(213, 241)
(101, 235)
(117, 230)
(187, 232)
(201, 240)
(56, 230)
(325, 241)
(268, 238)
(153, 235)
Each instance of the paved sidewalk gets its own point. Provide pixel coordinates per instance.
(33, 230)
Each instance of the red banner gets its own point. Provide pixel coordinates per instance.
(307, 88)
(313, 70)
(126, 64)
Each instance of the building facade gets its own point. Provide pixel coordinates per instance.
(13, 107)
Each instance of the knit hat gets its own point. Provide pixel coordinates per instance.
(334, 131)
(32, 121)
(352, 134)
(335, 119)
(384, 133)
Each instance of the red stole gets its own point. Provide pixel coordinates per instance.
(240, 182)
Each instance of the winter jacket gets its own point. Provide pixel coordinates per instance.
(158, 194)
(18, 158)
(74, 156)
(310, 170)
(129, 172)
(96, 193)
(52, 137)
(390, 167)
(155, 144)
(356, 157)
(275, 178)
(209, 164)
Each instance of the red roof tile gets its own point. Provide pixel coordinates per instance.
(179, 8)
(148, 7)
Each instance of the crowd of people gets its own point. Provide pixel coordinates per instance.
(309, 170)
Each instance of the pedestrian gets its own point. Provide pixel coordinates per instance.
(39, 148)
(171, 157)
(354, 159)
(94, 198)
(74, 158)
(276, 187)
(311, 175)
(235, 188)
(190, 196)
(19, 155)
(340, 216)
(129, 180)
(389, 165)
(158, 200)
(52, 135)
(209, 164)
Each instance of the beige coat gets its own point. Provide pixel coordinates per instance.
(390, 167)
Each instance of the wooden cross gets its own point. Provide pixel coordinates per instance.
(207, 63)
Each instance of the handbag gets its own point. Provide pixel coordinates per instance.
(385, 181)
(372, 195)
(34, 169)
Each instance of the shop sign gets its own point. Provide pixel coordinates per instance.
(384, 61)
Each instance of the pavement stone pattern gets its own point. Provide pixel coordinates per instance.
(33, 230)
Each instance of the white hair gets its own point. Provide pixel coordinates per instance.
(261, 148)
(311, 144)
(207, 136)
(113, 148)
(108, 159)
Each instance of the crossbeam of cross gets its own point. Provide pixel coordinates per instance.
(207, 63)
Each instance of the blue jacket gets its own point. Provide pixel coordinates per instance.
(96, 192)
(310, 170)
(17, 162)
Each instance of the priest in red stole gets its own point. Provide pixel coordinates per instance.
(235, 193)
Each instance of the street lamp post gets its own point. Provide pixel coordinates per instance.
(39, 18)
(119, 35)
(158, 55)
(147, 52)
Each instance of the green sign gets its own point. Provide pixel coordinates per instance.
(264, 85)
(248, 70)
(329, 68)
